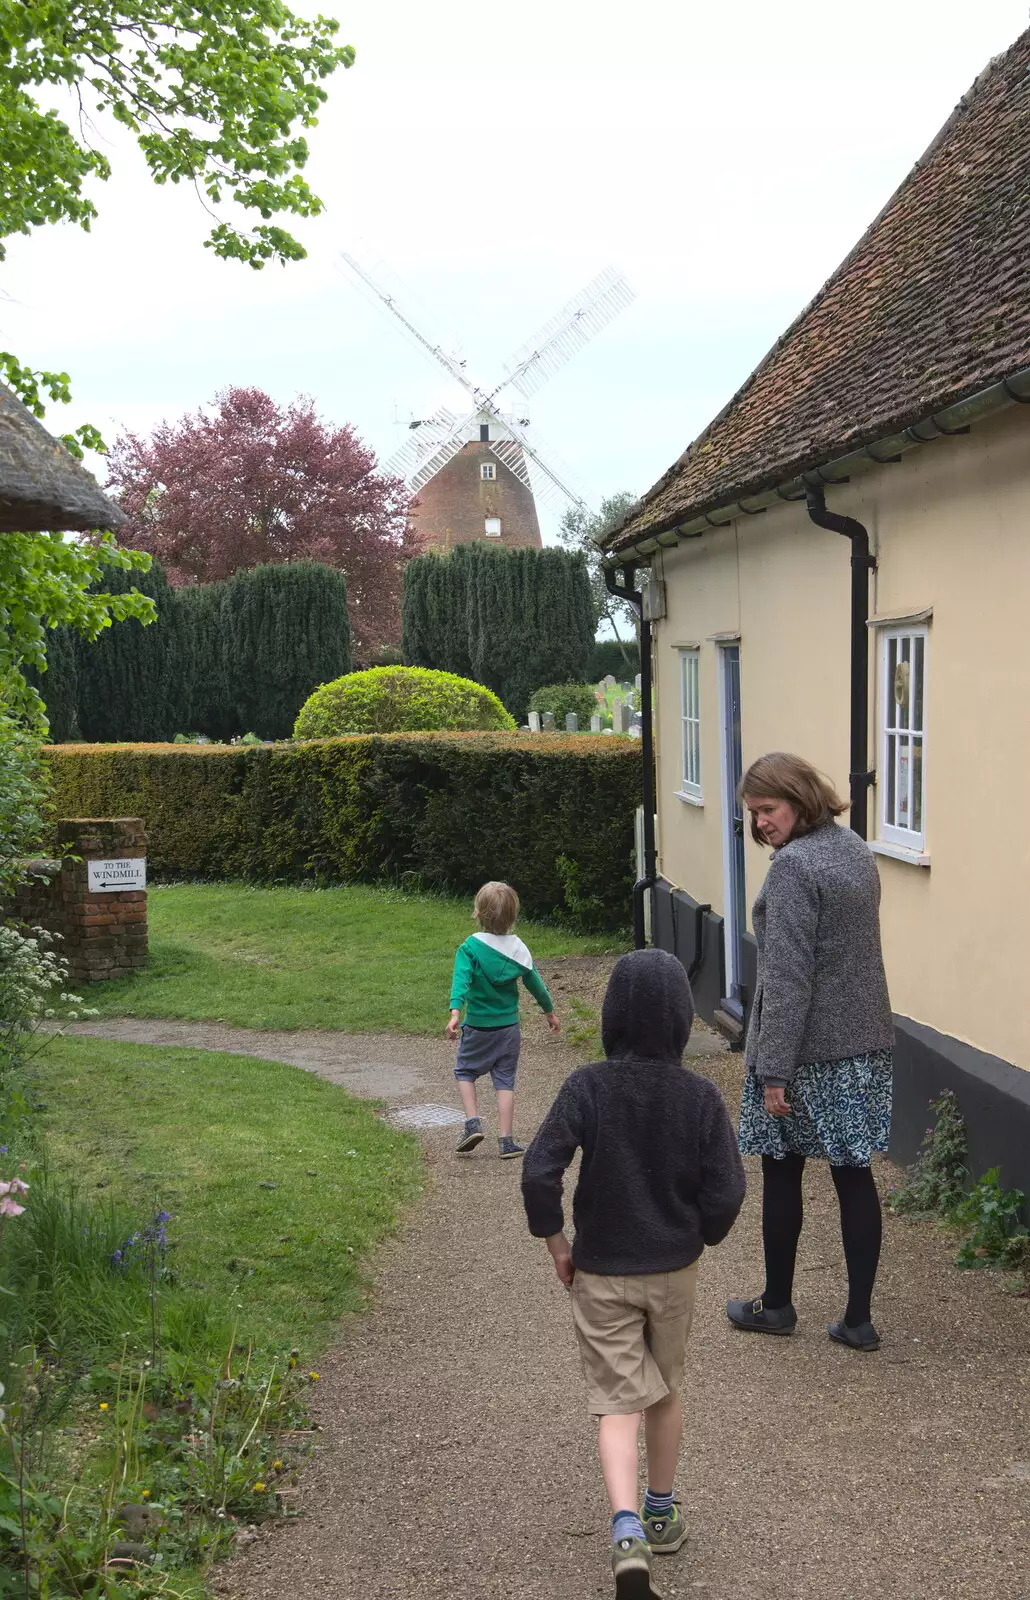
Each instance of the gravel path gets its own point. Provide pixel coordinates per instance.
(457, 1459)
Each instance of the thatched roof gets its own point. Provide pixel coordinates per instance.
(41, 485)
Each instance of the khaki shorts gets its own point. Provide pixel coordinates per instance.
(632, 1336)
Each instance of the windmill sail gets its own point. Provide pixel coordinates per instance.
(422, 442)
(567, 332)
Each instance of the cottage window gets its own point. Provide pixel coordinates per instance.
(903, 753)
(493, 527)
(488, 471)
(690, 715)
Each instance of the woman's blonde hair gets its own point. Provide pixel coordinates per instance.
(496, 907)
(780, 776)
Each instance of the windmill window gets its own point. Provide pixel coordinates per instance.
(488, 471)
(493, 527)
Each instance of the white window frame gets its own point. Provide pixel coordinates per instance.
(487, 471)
(902, 779)
(690, 725)
(494, 531)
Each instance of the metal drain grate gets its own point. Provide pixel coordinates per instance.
(427, 1116)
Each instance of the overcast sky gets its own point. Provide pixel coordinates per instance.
(724, 157)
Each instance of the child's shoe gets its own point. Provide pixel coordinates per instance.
(631, 1567)
(665, 1530)
(509, 1149)
(472, 1136)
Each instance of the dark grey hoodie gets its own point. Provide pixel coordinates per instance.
(661, 1175)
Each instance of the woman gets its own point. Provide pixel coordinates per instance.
(818, 1056)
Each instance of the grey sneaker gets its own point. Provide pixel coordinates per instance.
(509, 1149)
(665, 1530)
(631, 1567)
(472, 1136)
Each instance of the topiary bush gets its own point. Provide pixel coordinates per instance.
(561, 698)
(400, 700)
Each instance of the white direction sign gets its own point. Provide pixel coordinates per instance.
(125, 872)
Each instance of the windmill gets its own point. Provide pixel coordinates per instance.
(478, 475)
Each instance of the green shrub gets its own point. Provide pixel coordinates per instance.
(997, 1230)
(561, 698)
(608, 659)
(552, 816)
(399, 700)
(934, 1184)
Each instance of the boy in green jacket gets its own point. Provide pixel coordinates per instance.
(487, 970)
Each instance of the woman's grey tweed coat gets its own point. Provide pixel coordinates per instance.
(822, 992)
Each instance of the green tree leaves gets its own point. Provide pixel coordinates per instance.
(582, 531)
(213, 91)
(47, 580)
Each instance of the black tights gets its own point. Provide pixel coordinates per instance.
(861, 1227)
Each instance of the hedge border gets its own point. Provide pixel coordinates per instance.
(551, 813)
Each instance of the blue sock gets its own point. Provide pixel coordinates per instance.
(657, 1505)
(626, 1525)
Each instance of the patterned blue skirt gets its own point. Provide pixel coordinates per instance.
(841, 1112)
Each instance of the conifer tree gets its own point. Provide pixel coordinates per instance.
(287, 631)
(133, 681)
(204, 608)
(58, 686)
(511, 619)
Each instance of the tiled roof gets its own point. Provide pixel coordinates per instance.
(932, 305)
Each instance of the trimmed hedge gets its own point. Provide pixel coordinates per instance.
(399, 700)
(607, 658)
(445, 811)
(561, 698)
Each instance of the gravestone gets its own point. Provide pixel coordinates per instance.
(595, 722)
(534, 722)
(636, 683)
(571, 722)
(620, 717)
(548, 721)
(609, 682)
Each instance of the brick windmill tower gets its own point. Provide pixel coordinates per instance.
(478, 476)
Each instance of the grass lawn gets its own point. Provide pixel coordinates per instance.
(279, 1184)
(358, 958)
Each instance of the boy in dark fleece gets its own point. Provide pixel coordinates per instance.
(660, 1178)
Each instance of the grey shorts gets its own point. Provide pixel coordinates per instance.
(493, 1050)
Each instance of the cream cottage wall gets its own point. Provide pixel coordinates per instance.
(950, 525)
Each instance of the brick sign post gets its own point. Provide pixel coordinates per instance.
(98, 903)
(104, 896)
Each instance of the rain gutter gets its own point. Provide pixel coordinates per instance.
(649, 877)
(958, 418)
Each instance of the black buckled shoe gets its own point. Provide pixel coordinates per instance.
(755, 1317)
(863, 1338)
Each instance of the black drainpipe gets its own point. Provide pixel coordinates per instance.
(862, 564)
(625, 591)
